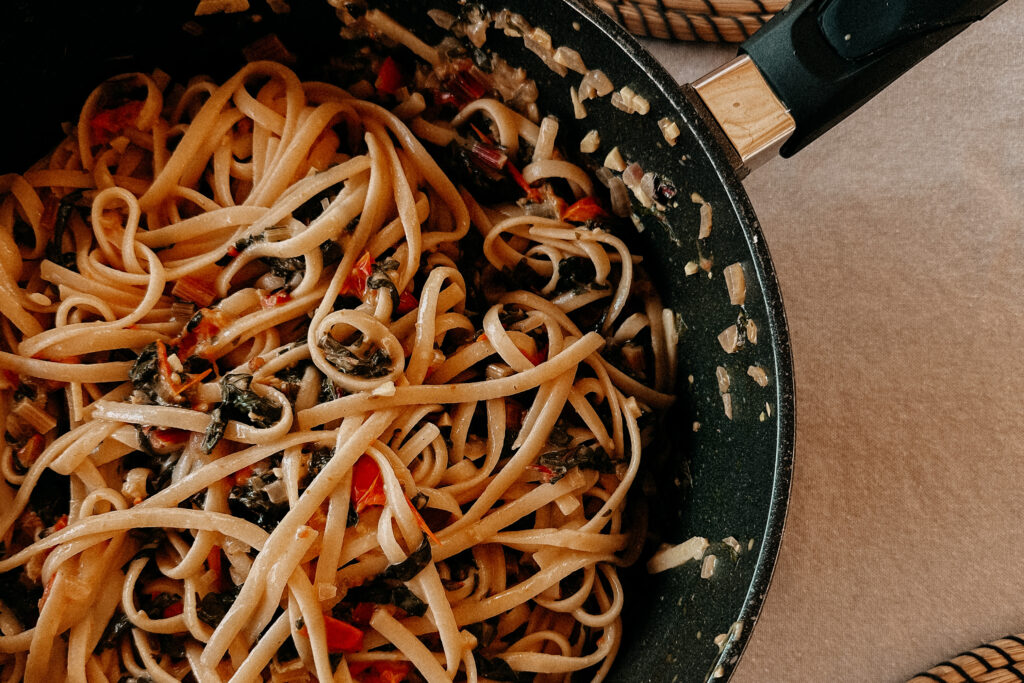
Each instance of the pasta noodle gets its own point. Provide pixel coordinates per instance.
(290, 393)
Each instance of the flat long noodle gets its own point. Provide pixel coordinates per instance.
(291, 392)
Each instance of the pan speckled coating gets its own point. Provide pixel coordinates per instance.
(730, 477)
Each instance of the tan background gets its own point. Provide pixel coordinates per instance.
(899, 242)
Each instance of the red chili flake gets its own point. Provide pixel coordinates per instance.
(108, 124)
(61, 523)
(32, 449)
(546, 473)
(531, 192)
(389, 77)
(233, 251)
(584, 210)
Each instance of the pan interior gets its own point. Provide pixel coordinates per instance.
(718, 477)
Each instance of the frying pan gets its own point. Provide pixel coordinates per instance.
(717, 476)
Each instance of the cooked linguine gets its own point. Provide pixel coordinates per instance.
(284, 400)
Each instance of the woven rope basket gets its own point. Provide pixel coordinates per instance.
(712, 21)
(1001, 661)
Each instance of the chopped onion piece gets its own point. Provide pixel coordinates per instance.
(729, 338)
(727, 405)
(615, 161)
(669, 129)
(722, 375)
(619, 196)
(604, 174)
(705, 216)
(736, 283)
(590, 143)
(751, 331)
(578, 110)
(545, 139)
(441, 18)
(691, 268)
(758, 375)
(619, 102)
(568, 57)
(641, 105)
(594, 81)
(34, 416)
(673, 556)
(733, 544)
(707, 567)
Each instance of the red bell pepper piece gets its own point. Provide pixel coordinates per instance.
(389, 77)
(355, 283)
(584, 210)
(367, 484)
(107, 124)
(379, 672)
(407, 302)
(341, 637)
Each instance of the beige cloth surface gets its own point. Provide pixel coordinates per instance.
(899, 242)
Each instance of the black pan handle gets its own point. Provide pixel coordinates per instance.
(815, 63)
(825, 58)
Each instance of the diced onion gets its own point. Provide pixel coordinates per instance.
(758, 374)
(590, 142)
(619, 196)
(615, 161)
(669, 129)
(736, 283)
(707, 567)
(722, 375)
(578, 110)
(568, 57)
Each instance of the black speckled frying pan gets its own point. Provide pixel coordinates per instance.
(815, 63)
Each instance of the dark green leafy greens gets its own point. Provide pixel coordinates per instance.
(377, 364)
(581, 456)
(238, 402)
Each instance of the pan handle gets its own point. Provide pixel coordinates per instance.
(817, 61)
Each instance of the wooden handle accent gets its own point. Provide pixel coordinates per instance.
(749, 113)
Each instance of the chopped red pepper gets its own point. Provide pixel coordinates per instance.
(584, 210)
(389, 77)
(205, 330)
(379, 672)
(164, 438)
(241, 476)
(61, 523)
(536, 357)
(362, 613)
(367, 484)
(407, 302)
(107, 124)
(341, 637)
(355, 283)
(275, 299)
(174, 609)
(32, 449)
(215, 562)
(233, 251)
